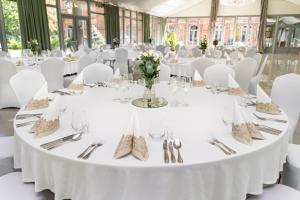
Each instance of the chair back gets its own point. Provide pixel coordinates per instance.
(244, 71)
(85, 61)
(97, 72)
(164, 73)
(218, 74)
(201, 64)
(182, 52)
(53, 71)
(196, 52)
(161, 48)
(26, 84)
(121, 60)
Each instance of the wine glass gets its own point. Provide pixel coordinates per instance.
(80, 122)
(227, 116)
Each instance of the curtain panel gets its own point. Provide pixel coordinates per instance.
(112, 23)
(213, 17)
(146, 27)
(262, 26)
(34, 22)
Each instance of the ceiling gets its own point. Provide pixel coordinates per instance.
(165, 8)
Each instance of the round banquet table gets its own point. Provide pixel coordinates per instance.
(206, 174)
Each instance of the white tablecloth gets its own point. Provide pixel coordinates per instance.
(69, 67)
(207, 174)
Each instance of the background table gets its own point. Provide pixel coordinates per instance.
(207, 174)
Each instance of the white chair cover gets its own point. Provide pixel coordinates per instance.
(7, 95)
(161, 48)
(200, 65)
(80, 53)
(244, 71)
(121, 60)
(164, 73)
(258, 58)
(53, 71)
(3, 54)
(242, 50)
(56, 53)
(97, 72)
(254, 80)
(182, 52)
(250, 52)
(25, 84)
(196, 52)
(218, 74)
(6, 155)
(85, 61)
(277, 192)
(286, 94)
(94, 54)
(234, 56)
(12, 188)
(291, 170)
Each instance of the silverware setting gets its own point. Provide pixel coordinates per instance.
(225, 146)
(62, 92)
(220, 147)
(269, 119)
(267, 129)
(169, 145)
(177, 145)
(25, 116)
(171, 149)
(165, 148)
(89, 151)
(59, 142)
(25, 124)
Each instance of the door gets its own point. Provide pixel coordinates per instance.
(82, 32)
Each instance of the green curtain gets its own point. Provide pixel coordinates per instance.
(34, 22)
(262, 27)
(112, 23)
(146, 27)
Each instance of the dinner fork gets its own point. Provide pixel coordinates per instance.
(220, 147)
(269, 119)
(86, 156)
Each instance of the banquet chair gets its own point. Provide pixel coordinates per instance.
(85, 61)
(56, 53)
(244, 71)
(25, 84)
(7, 95)
(6, 155)
(196, 52)
(13, 188)
(164, 73)
(182, 52)
(286, 94)
(234, 56)
(177, 48)
(53, 71)
(121, 60)
(250, 52)
(3, 54)
(277, 192)
(201, 64)
(242, 50)
(97, 72)
(255, 79)
(161, 48)
(80, 53)
(218, 75)
(258, 58)
(94, 54)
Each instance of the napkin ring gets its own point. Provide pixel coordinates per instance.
(35, 104)
(241, 133)
(45, 127)
(198, 83)
(269, 108)
(236, 91)
(74, 86)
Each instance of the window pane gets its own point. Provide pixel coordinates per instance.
(127, 13)
(97, 7)
(140, 31)
(140, 16)
(121, 12)
(295, 38)
(53, 27)
(68, 32)
(81, 8)
(181, 30)
(133, 15)
(97, 30)
(219, 29)
(51, 2)
(133, 31)
(193, 31)
(204, 27)
(254, 26)
(229, 24)
(12, 28)
(66, 6)
(242, 34)
(127, 30)
(82, 33)
(270, 29)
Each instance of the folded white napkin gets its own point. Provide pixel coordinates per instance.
(77, 83)
(117, 74)
(264, 103)
(40, 99)
(232, 83)
(262, 97)
(239, 127)
(197, 76)
(52, 112)
(233, 87)
(255, 133)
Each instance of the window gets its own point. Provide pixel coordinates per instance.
(121, 26)
(53, 24)
(127, 27)
(193, 34)
(229, 24)
(219, 29)
(133, 27)
(97, 25)
(242, 33)
(182, 30)
(140, 28)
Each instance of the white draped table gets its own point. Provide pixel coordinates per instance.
(206, 174)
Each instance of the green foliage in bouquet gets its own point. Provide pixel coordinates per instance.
(149, 67)
(171, 40)
(203, 44)
(34, 46)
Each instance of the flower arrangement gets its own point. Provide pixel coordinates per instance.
(34, 46)
(116, 42)
(203, 44)
(171, 40)
(149, 67)
(215, 43)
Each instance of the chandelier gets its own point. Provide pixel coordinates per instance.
(236, 2)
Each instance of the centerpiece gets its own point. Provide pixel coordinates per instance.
(34, 47)
(171, 40)
(115, 43)
(149, 68)
(203, 45)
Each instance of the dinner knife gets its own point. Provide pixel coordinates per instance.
(166, 155)
(54, 142)
(24, 116)
(171, 149)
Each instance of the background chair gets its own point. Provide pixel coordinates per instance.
(161, 48)
(121, 60)
(201, 64)
(85, 61)
(56, 53)
(53, 71)
(80, 53)
(182, 52)
(218, 74)
(25, 84)
(196, 52)
(244, 71)
(164, 73)
(258, 58)
(7, 95)
(97, 72)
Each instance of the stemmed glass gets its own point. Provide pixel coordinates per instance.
(227, 117)
(80, 122)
